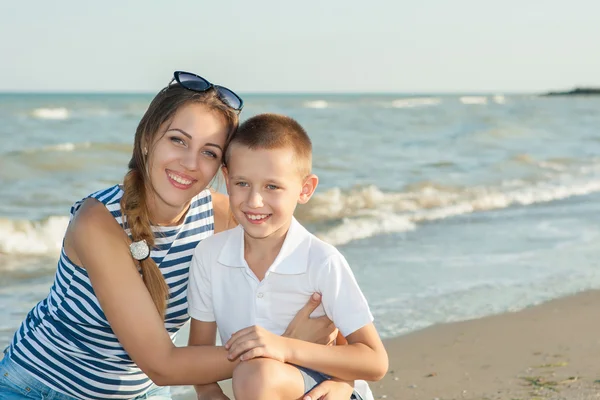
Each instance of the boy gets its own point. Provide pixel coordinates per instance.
(250, 281)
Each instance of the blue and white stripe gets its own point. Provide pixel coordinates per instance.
(66, 341)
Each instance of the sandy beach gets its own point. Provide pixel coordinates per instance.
(550, 351)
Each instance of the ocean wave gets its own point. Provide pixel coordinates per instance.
(59, 113)
(96, 112)
(499, 99)
(474, 100)
(364, 212)
(316, 104)
(416, 102)
(32, 237)
(70, 146)
(339, 216)
(554, 164)
(64, 113)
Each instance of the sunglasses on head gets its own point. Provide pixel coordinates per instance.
(197, 83)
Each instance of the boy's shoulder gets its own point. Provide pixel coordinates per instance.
(318, 249)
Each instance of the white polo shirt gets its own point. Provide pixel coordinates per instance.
(224, 289)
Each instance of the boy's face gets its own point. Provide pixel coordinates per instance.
(264, 188)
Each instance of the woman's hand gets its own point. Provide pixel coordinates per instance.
(256, 341)
(332, 389)
(315, 330)
(212, 391)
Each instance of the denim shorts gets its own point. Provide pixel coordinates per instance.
(18, 384)
(312, 378)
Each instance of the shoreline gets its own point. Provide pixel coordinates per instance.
(547, 351)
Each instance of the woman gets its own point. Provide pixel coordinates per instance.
(106, 329)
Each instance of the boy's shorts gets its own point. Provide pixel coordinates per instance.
(313, 378)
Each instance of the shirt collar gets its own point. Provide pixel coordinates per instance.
(292, 258)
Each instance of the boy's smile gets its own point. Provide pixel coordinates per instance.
(257, 218)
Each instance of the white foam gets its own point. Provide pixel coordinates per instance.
(473, 100)
(60, 113)
(32, 237)
(416, 102)
(66, 147)
(367, 211)
(316, 104)
(361, 228)
(499, 99)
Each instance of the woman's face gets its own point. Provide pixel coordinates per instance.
(184, 157)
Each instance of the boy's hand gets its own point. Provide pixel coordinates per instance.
(255, 341)
(331, 389)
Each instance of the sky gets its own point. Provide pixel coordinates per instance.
(424, 46)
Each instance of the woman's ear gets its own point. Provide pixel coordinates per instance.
(308, 188)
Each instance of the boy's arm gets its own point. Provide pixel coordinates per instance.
(363, 358)
(204, 333)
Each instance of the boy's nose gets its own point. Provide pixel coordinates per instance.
(255, 200)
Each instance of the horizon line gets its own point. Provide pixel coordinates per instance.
(280, 93)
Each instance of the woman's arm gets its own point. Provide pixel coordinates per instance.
(364, 357)
(95, 241)
(102, 248)
(204, 333)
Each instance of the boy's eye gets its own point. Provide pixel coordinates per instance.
(272, 187)
(242, 184)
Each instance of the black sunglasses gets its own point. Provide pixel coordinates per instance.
(199, 84)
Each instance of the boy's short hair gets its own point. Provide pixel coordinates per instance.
(274, 131)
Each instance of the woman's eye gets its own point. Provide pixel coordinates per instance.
(177, 140)
(210, 153)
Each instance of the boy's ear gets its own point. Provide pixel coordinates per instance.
(308, 188)
(226, 176)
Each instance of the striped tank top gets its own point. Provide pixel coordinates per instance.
(66, 341)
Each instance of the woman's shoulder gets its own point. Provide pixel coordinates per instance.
(110, 197)
(224, 219)
(92, 222)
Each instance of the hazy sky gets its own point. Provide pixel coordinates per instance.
(309, 45)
